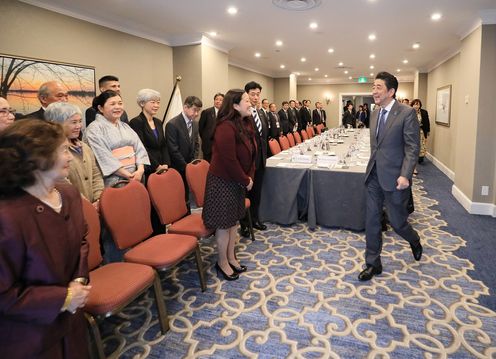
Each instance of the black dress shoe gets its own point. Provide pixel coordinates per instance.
(259, 226)
(239, 269)
(417, 251)
(244, 232)
(226, 276)
(369, 272)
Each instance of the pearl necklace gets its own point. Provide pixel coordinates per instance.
(58, 207)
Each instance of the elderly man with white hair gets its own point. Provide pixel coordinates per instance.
(84, 172)
(150, 131)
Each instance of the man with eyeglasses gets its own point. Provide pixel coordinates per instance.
(49, 92)
(7, 115)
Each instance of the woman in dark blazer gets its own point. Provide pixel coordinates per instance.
(150, 131)
(425, 127)
(230, 176)
(43, 248)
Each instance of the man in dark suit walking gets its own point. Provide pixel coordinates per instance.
(394, 149)
(208, 121)
(181, 134)
(253, 90)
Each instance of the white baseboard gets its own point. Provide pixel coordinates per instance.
(441, 166)
(486, 209)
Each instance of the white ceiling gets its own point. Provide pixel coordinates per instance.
(342, 25)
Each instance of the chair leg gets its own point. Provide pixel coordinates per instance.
(199, 266)
(159, 302)
(95, 333)
(250, 224)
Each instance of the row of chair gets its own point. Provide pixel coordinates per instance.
(291, 139)
(126, 211)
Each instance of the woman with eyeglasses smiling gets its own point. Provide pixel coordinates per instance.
(7, 115)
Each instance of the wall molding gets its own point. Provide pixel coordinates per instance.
(441, 166)
(485, 209)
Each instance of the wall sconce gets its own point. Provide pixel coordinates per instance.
(327, 99)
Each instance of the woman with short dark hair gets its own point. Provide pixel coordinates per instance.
(43, 248)
(425, 127)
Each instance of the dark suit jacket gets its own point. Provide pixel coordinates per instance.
(208, 121)
(396, 154)
(90, 114)
(40, 114)
(182, 148)
(319, 119)
(41, 251)
(262, 143)
(305, 118)
(155, 147)
(275, 125)
(293, 118)
(425, 125)
(349, 119)
(284, 120)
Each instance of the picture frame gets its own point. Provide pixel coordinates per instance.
(21, 77)
(443, 105)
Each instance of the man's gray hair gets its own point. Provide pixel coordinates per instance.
(145, 95)
(61, 111)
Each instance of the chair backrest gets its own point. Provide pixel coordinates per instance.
(274, 147)
(126, 211)
(304, 135)
(310, 132)
(93, 236)
(320, 127)
(196, 175)
(167, 193)
(283, 141)
(297, 137)
(291, 139)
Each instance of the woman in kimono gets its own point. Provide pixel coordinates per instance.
(117, 148)
(43, 248)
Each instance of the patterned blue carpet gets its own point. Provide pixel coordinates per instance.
(301, 298)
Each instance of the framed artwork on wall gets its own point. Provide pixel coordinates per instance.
(20, 78)
(443, 105)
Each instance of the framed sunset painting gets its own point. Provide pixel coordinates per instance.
(21, 77)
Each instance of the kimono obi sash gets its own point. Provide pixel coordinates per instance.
(125, 155)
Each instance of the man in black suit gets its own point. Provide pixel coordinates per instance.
(394, 149)
(253, 90)
(49, 92)
(208, 121)
(284, 118)
(181, 133)
(293, 116)
(107, 82)
(305, 115)
(319, 115)
(275, 122)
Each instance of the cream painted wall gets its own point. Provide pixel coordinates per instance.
(281, 91)
(317, 93)
(188, 65)
(442, 142)
(238, 77)
(214, 74)
(140, 63)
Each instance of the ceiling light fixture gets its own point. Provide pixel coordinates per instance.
(346, 72)
(372, 56)
(436, 16)
(350, 78)
(371, 67)
(232, 10)
(340, 64)
(297, 74)
(282, 66)
(398, 70)
(212, 33)
(405, 61)
(303, 59)
(330, 50)
(278, 43)
(371, 74)
(372, 37)
(416, 45)
(257, 54)
(325, 75)
(316, 69)
(313, 25)
(309, 79)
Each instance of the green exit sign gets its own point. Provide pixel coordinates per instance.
(362, 80)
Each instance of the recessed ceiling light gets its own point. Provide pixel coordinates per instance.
(340, 64)
(297, 74)
(350, 78)
(313, 25)
(346, 72)
(303, 59)
(212, 33)
(436, 16)
(330, 50)
(278, 43)
(282, 66)
(257, 54)
(232, 10)
(405, 61)
(316, 69)
(371, 74)
(416, 45)
(325, 75)
(372, 56)
(398, 70)
(371, 67)
(372, 37)
(309, 79)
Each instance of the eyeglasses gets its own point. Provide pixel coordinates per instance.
(5, 111)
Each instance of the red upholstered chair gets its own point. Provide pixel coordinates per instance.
(310, 132)
(283, 141)
(196, 175)
(304, 135)
(297, 137)
(291, 139)
(126, 211)
(274, 146)
(115, 285)
(167, 193)
(319, 128)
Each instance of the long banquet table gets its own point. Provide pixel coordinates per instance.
(325, 193)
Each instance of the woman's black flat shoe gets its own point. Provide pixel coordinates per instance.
(233, 276)
(239, 269)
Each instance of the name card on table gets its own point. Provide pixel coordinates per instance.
(326, 161)
(301, 158)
